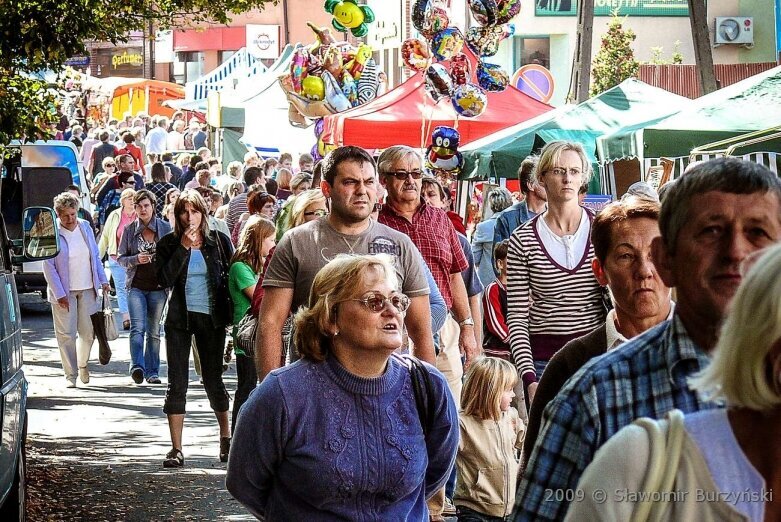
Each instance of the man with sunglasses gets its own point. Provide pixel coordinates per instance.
(350, 181)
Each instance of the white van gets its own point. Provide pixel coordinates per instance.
(30, 178)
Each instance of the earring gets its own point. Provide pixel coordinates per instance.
(336, 332)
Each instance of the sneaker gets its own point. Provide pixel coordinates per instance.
(174, 459)
(225, 447)
(84, 374)
(71, 382)
(153, 380)
(137, 374)
(449, 510)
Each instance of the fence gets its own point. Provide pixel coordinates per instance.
(683, 79)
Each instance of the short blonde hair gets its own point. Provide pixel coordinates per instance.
(128, 193)
(487, 379)
(550, 154)
(338, 281)
(738, 374)
(300, 203)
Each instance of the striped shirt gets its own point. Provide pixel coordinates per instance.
(236, 207)
(547, 304)
(496, 334)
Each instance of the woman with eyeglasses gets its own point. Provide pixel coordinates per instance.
(307, 206)
(338, 434)
(109, 168)
(552, 294)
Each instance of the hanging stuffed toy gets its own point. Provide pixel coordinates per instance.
(349, 15)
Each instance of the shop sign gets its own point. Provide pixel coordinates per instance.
(77, 61)
(607, 7)
(127, 59)
(263, 41)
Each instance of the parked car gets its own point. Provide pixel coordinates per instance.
(40, 241)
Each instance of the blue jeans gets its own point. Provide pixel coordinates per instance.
(146, 308)
(119, 276)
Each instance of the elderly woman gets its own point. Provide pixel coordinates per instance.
(337, 434)
(116, 222)
(73, 279)
(483, 239)
(730, 460)
(552, 295)
(146, 297)
(192, 261)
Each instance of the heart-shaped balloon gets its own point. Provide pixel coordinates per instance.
(484, 11)
(460, 69)
(415, 54)
(507, 10)
(447, 43)
(438, 81)
(469, 100)
(491, 77)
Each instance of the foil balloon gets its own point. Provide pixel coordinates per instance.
(484, 41)
(298, 68)
(332, 61)
(438, 81)
(315, 155)
(419, 9)
(356, 65)
(483, 11)
(333, 93)
(443, 152)
(469, 100)
(347, 14)
(313, 88)
(460, 69)
(436, 19)
(491, 77)
(447, 43)
(350, 88)
(318, 128)
(507, 10)
(369, 83)
(415, 54)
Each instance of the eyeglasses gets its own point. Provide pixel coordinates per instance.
(402, 175)
(560, 171)
(110, 165)
(376, 302)
(319, 213)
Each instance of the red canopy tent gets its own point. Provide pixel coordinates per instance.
(407, 114)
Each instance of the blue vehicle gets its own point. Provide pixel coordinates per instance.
(40, 241)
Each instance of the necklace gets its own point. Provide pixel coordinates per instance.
(349, 245)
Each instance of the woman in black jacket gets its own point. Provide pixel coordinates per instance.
(193, 261)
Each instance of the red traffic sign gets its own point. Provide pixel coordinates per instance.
(535, 81)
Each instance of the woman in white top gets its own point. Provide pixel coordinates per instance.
(730, 462)
(73, 279)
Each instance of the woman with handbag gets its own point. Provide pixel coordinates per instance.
(73, 279)
(145, 296)
(346, 430)
(713, 464)
(110, 238)
(255, 242)
(193, 262)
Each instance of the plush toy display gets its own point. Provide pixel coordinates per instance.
(443, 152)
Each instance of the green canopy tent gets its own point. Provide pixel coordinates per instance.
(749, 105)
(630, 102)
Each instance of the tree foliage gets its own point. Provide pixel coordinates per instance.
(615, 61)
(39, 35)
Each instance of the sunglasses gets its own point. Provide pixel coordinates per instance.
(376, 302)
(110, 165)
(402, 175)
(319, 213)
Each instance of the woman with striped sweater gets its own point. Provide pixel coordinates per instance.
(552, 294)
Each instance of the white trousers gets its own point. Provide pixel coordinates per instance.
(73, 329)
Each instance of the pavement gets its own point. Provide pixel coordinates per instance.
(95, 452)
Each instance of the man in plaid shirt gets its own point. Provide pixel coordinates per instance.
(712, 219)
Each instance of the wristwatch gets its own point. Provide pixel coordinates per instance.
(467, 322)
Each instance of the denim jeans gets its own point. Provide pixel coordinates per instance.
(146, 308)
(469, 515)
(119, 276)
(210, 343)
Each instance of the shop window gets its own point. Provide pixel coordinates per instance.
(224, 56)
(531, 50)
(188, 67)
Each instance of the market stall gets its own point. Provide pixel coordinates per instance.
(119, 96)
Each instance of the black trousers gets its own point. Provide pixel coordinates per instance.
(210, 343)
(246, 381)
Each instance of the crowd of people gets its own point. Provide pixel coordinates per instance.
(402, 371)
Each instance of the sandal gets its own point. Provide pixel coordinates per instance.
(174, 459)
(225, 447)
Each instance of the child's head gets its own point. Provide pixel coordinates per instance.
(500, 256)
(488, 389)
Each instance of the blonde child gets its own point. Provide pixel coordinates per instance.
(491, 434)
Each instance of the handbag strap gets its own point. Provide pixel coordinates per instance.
(663, 463)
(423, 390)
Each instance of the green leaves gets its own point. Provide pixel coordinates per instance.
(39, 35)
(615, 61)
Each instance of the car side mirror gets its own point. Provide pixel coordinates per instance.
(41, 239)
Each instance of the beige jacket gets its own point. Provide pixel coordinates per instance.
(488, 463)
(608, 489)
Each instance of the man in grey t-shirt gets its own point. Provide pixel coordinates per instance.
(350, 181)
